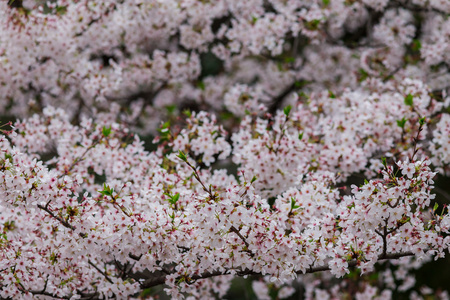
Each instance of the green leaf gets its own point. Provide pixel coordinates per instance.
(226, 115)
(201, 85)
(409, 100)
(293, 206)
(164, 130)
(313, 24)
(289, 59)
(363, 75)
(187, 113)
(287, 110)
(253, 179)
(171, 108)
(383, 161)
(436, 205)
(302, 94)
(416, 45)
(173, 199)
(106, 131)
(326, 2)
(176, 197)
(107, 191)
(331, 95)
(182, 156)
(422, 121)
(165, 125)
(300, 136)
(401, 123)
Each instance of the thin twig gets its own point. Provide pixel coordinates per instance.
(157, 280)
(234, 229)
(62, 221)
(100, 271)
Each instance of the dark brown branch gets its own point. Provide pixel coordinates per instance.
(157, 280)
(160, 278)
(413, 7)
(78, 159)
(134, 257)
(384, 237)
(89, 296)
(15, 3)
(276, 103)
(235, 230)
(62, 221)
(100, 271)
(43, 291)
(197, 177)
(415, 142)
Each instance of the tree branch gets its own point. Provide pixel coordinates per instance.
(278, 99)
(100, 271)
(234, 229)
(157, 280)
(62, 221)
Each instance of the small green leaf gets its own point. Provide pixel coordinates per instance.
(60, 10)
(302, 94)
(422, 121)
(165, 125)
(363, 75)
(173, 199)
(326, 2)
(409, 100)
(171, 108)
(107, 191)
(253, 179)
(106, 131)
(182, 156)
(187, 113)
(201, 85)
(176, 197)
(401, 123)
(383, 161)
(300, 136)
(287, 110)
(293, 206)
(164, 130)
(436, 205)
(331, 95)
(313, 24)
(289, 59)
(416, 45)
(226, 115)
